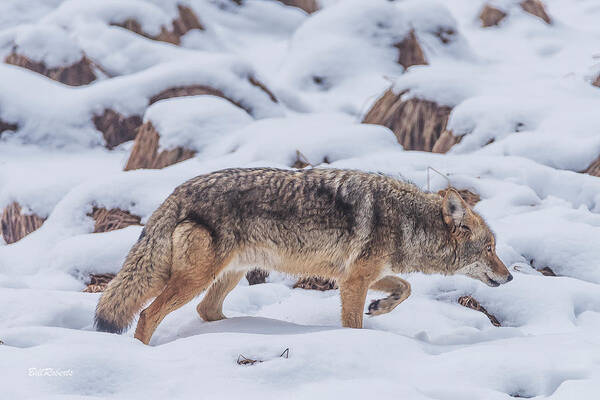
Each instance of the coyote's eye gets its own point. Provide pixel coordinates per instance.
(489, 248)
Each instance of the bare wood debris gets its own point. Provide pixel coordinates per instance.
(470, 302)
(243, 360)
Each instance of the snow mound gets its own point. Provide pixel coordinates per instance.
(194, 122)
(43, 43)
(282, 140)
(351, 49)
(550, 119)
(151, 16)
(63, 116)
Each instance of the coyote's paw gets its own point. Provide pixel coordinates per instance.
(384, 306)
(209, 314)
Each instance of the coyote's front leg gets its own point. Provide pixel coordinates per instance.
(399, 290)
(353, 291)
(211, 307)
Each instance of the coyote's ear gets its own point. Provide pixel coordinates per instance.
(454, 211)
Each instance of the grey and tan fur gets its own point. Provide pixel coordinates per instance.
(355, 227)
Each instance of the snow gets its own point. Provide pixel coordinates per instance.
(344, 55)
(193, 122)
(62, 116)
(278, 140)
(26, 11)
(150, 16)
(44, 43)
(521, 99)
(35, 185)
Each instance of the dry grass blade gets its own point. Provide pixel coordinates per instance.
(417, 123)
(491, 16)
(301, 161)
(594, 168)
(185, 22)
(116, 128)
(77, 74)
(445, 142)
(198, 90)
(536, 7)
(98, 283)
(315, 283)
(144, 153)
(192, 90)
(547, 271)
(5, 126)
(242, 360)
(259, 84)
(256, 276)
(14, 225)
(410, 52)
(470, 302)
(113, 219)
(309, 6)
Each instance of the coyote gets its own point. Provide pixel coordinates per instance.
(355, 227)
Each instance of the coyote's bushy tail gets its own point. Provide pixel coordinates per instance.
(144, 273)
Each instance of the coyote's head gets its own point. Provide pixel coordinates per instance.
(475, 243)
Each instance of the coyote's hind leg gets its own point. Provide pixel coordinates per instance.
(399, 290)
(194, 267)
(211, 306)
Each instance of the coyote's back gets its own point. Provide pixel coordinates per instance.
(303, 211)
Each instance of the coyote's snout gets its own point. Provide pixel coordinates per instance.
(358, 228)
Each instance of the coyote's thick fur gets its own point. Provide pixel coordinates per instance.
(355, 227)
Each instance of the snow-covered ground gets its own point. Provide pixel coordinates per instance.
(521, 95)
